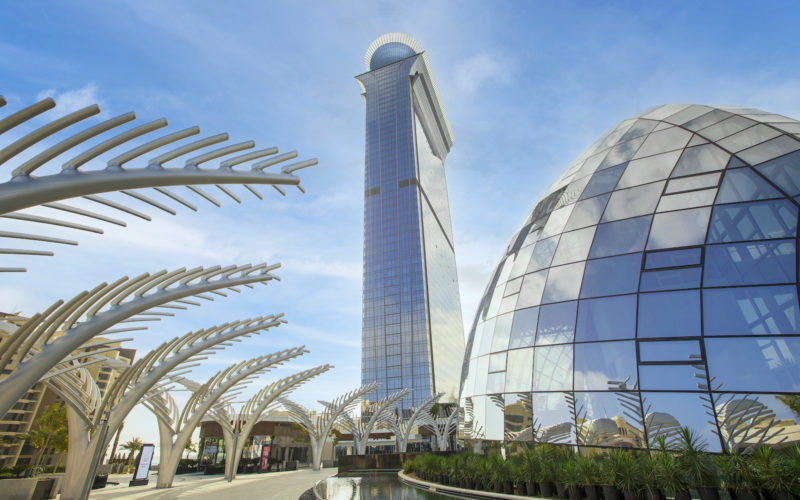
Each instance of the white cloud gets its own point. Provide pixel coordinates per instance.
(69, 101)
(481, 69)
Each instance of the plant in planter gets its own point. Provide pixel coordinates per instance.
(549, 468)
(559, 458)
(588, 470)
(620, 475)
(533, 469)
(570, 477)
(648, 465)
(500, 473)
(698, 467)
(668, 475)
(738, 477)
(774, 473)
(472, 471)
(519, 474)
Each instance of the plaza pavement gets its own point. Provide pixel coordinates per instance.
(272, 486)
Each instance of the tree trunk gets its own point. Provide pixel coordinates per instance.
(41, 453)
(116, 442)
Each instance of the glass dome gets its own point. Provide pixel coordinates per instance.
(653, 286)
(388, 53)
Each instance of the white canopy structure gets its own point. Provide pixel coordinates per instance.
(419, 416)
(361, 426)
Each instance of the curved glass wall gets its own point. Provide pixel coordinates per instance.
(653, 286)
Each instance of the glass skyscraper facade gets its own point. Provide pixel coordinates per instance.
(654, 285)
(412, 333)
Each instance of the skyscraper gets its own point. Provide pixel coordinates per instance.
(412, 333)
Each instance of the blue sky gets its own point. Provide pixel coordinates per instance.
(527, 86)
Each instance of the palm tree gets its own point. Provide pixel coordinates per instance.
(132, 446)
(49, 428)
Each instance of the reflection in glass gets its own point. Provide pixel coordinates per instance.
(552, 418)
(743, 184)
(556, 323)
(602, 181)
(542, 254)
(625, 236)
(650, 169)
(673, 258)
(669, 314)
(670, 411)
(699, 159)
(574, 246)
(770, 149)
(518, 417)
(611, 276)
(763, 310)
(532, 287)
(632, 202)
(607, 318)
(771, 363)
(603, 365)
(502, 330)
(679, 229)
(784, 172)
(552, 368)
(749, 420)
(669, 377)
(606, 422)
(523, 330)
(670, 279)
(587, 212)
(563, 283)
(519, 372)
(750, 263)
(672, 350)
(759, 220)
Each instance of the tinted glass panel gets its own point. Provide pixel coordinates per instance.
(486, 338)
(670, 279)
(557, 221)
(563, 283)
(748, 137)
(556, 323)
(625, 236)
(664, 140)
(763, 310)
(532, 287)
(523, 330)
(543, 254)
(676, 350)
(727, 127)
(520, 370)
(574, 246)
(758, 412)
(551, 413)
(693, 183)
(691, 199)
(497, 362)
(502, 330)
(650, 169)
(784, 172)
(679, 229)
(552, 368)
(743, 184)
(669, 314)
(698, 159)
(602, 181)
(621, 153)
(771, 363)
(671, 411)
(606, 421)
(517, 424)
(611, 276)
(587, 212)
(607, 318)
(495, 382)
(773, 148)
(750, 263)
(641, 200)
(672, 258)
(669, 377)
(753, 221)
(601, 366)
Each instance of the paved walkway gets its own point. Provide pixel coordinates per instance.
(272, 486)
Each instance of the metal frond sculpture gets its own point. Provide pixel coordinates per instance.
(219, 389)
(25, 190)
(236, 427)
(150, 376)
(320, 426)
(31, 351)
(444, 427)
(420, 416)
(375, 413)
